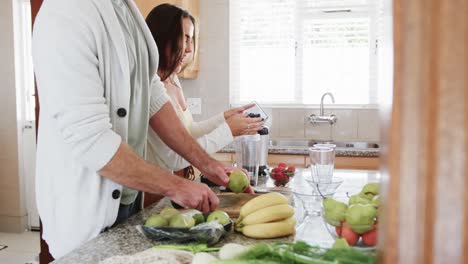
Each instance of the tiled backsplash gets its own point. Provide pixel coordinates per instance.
(352, 124)
(212, 86)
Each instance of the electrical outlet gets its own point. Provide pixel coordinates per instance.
(194, 105)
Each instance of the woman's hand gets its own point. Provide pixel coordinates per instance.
(238, 110)
(243, 125)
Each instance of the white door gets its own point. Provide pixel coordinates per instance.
(26, 105)
(29, 168)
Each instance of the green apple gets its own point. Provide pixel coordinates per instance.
(376, 201)
(238, 181)
(335, 211)
(220, 216)
(196, 215)
(156, 221)
(370, 190)
(168, 213)
(182, 221)
(360, 217)
(356, 199)
(341, 243)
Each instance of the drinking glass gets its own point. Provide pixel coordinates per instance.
(308, 202)
(322, 164)
(325, 145)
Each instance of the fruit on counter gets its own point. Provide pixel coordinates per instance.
(340, 243)
(282, 173)
(196, 215)
(270, 230)
(277, 171)
(349, 235)
(361, 217)
(357, 199)
(334, 211)
(261, 201)
(156, 221)
(220, 216)
(376, 201)
(282, 165)
(338, 230)
(370, 190)
(267, 214)
(290, 170)
(281, 179)
(168, 213)
(238, 181)
(370, 238)
(182, 221)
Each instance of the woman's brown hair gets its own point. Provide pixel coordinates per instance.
(165, 24)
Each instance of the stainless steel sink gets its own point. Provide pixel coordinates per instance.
(310, 143)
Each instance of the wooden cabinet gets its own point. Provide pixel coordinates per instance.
(145, 6)
(227, 158)
(357, 163)
(295, 160)
(302, 161)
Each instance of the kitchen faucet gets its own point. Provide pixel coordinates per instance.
(322, 118)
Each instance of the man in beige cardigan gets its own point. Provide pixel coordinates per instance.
(95, 63)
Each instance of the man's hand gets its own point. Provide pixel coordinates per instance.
(128, 169)
(195, 195)
(216, 172)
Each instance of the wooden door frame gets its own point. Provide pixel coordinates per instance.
(425, 207)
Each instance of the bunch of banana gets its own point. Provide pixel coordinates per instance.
(266, 216)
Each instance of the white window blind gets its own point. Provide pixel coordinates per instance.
(293, 51)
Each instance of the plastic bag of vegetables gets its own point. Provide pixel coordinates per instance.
(209, 233)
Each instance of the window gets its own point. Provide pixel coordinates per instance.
(293, 51)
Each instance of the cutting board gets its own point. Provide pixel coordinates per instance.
(232, 202)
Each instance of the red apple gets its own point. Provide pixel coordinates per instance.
(370, 238)
(338, 230)
(348, 234)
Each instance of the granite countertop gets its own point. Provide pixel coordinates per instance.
(339, 152)
(125, 239)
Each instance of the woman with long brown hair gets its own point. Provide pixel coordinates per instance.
(173, 30)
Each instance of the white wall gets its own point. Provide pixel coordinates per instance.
(212, 85)
(12, 203)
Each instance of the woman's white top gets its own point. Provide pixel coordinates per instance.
(212, 134)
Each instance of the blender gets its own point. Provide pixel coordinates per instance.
(256, 112)
(247, 149)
